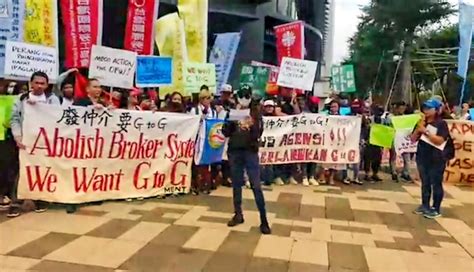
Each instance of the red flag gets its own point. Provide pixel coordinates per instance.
(290, 40)
(80, 86)
(82, 22)
(141, 16)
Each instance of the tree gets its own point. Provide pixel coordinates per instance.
(399, 23)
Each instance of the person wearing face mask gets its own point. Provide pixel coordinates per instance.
(174, 103)
(67, 91)
(435, 149)
(244, 97)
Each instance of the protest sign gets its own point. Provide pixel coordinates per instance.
(11, 26)
(345, 111)
(298, 74)
(79, 154)
(198, 74)
(471, 113)
(223, 54)
(141, 16)
(210, 143)
(7, 102)
(460, 170)
(272, 87)
(113, 67)
(403, 142)
(154, 71)
(381, 135)
(342, 78)
(310, 138)
(41, 22)
(24, 59)
(194, 14)
(405, 121)
(82, 21)
(255, 77)
(2, 123)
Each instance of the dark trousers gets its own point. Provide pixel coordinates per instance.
(267, 175)
(240, 161)
(9, 167)
(431, 181)
(372, 159)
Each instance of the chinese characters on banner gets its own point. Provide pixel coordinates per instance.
(113, 67)
(194, 14)
(460, 170)
(40, 26)
(310, 138)
(12, 18)
(290, 40)
(110, 154)
(82, 20)
(139, 31)
(296, 73)
(223, 54)
(342, 78)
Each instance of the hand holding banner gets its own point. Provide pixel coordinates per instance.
(113, 67)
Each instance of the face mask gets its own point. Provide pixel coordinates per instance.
(10, 89)
(245, 102)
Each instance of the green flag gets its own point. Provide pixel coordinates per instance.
(2, 125)
(6, 102)
(405, 121)
(255, 77)
(381, 135)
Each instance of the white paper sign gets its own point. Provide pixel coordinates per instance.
(296, 73)
(23, 59)
(403, 142)
(79, 154)
(432, 130)
(237, 115)
(113, 67)
(310, 138)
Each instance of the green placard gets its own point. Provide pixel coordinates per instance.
(256, 77)
(381, 135)
(198, 74)
(405, 121)
(2, 123)
(6, 102)
(342, 78)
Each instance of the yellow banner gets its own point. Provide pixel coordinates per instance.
(170, 39)
(40, 22)
(194, 14)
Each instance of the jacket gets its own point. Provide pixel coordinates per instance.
(18, 111)
(243, 139)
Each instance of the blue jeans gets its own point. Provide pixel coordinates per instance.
(241, 160)
(431, 181)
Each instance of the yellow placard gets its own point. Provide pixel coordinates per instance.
(40, 22)
(170, 39)
(194, 14)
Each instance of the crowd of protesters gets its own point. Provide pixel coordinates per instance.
(240, 165)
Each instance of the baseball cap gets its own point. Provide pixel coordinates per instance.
(269, 103)
(432, 104)
(226, 88)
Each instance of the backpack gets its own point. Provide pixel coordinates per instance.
(449, 151)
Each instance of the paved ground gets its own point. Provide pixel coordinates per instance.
(367, 228)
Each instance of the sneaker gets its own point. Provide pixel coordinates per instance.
(322, 182)
(4, 203)
(367, 178)
(347, 181)
(420, 210)
(376, 178)
(236, 220)
(293, 181)
(71, 208)
(407, 178)
(41, 207)
(279, 182)
(395, 178)
(14, 211)
(195, 192)
(357, 181)
(313, 181)
(247, 184)
(305, 182)
(265, 229)
(129, 199)
(140, 198)
(432, 214)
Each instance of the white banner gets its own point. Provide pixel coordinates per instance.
(23, 59)
(403, 142)
(113, 67)
(310, 138)
(296, 73)
(77, 155)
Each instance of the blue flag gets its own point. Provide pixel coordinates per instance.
(210, 144)
(222, 55)
(465, 35)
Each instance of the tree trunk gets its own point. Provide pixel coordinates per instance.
(405, 86)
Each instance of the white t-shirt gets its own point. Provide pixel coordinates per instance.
(67, 102)
(38, 98)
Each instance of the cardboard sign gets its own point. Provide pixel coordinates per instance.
(310, 138)
(79, 154)
(297, 74)
(23, 59)
(403, 142)
(460, 170)
(381, 135)
(198, 74)
(154, 71)
(113, 67)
